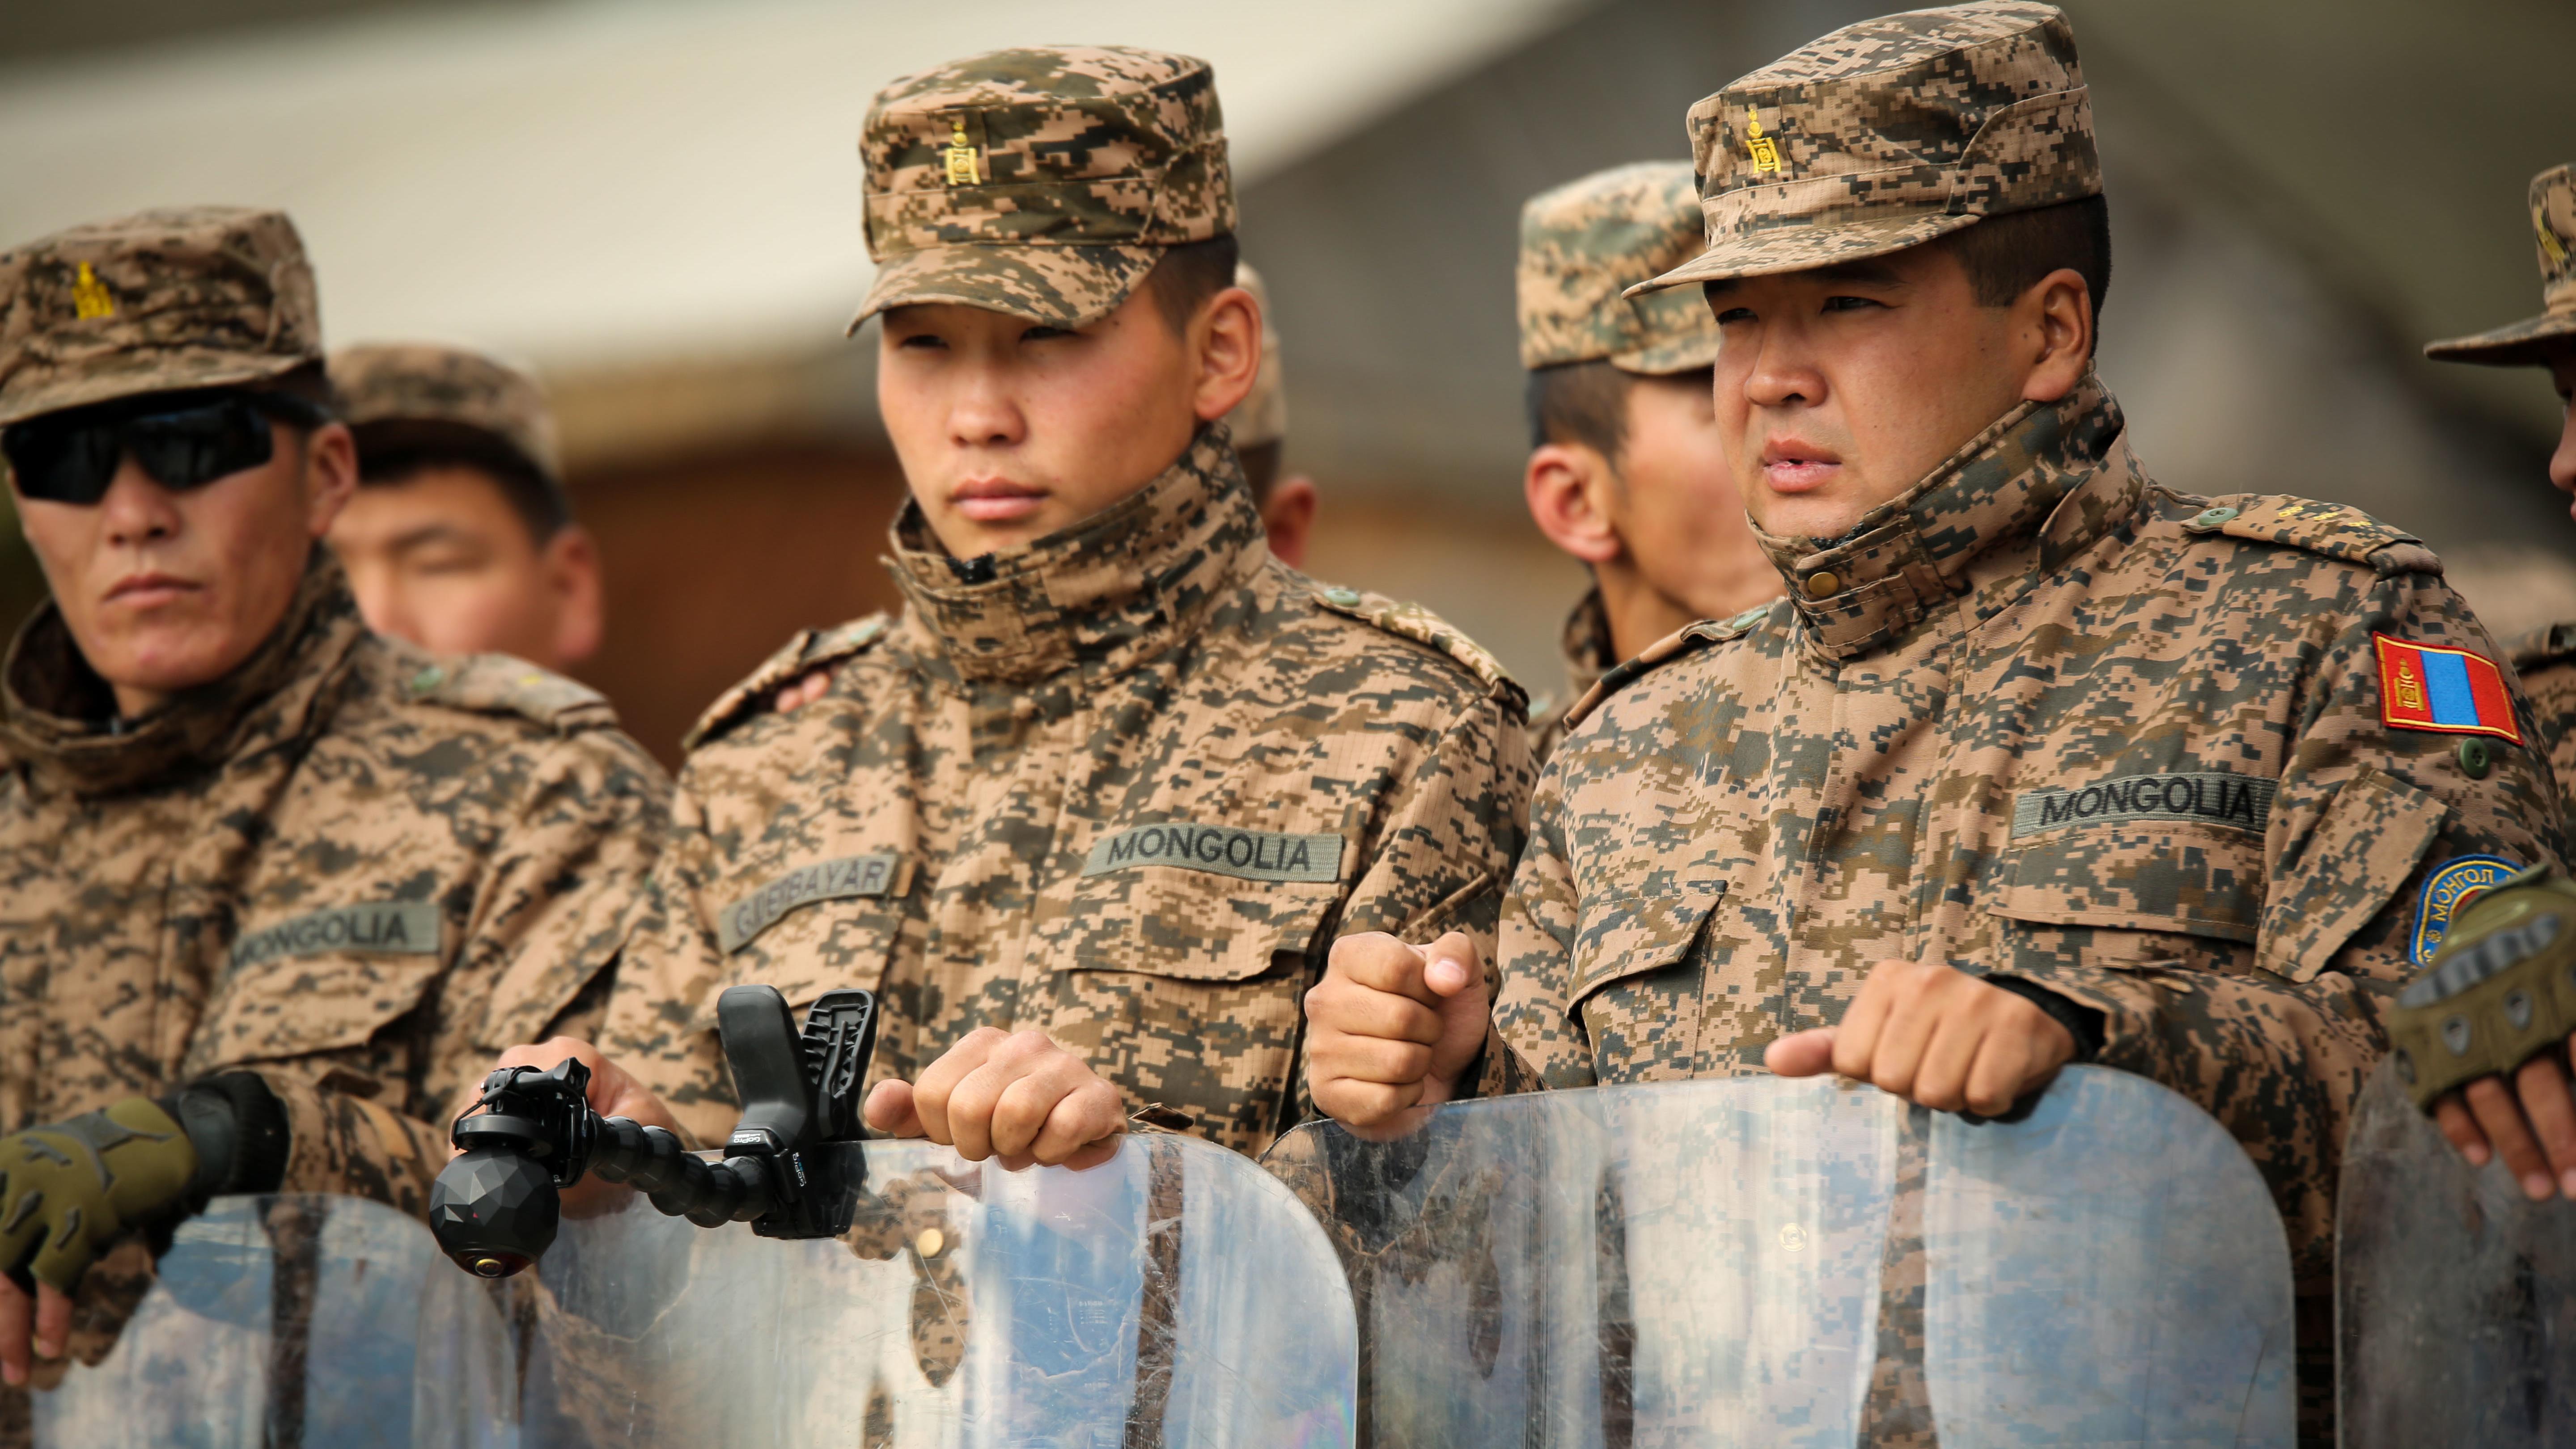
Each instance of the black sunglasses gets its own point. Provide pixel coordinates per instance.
(71, 456)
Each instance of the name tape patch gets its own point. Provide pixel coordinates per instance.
(1265, 855)
(848, 877)
(2241, 802)
(2446, 691)
(2447, 892)
(383, 928)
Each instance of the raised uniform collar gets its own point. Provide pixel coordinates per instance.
(1109, 592)
(58, 718)
(2037, 487)
(1586, 645)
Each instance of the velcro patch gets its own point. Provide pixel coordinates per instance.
(1264, 855)
(849, 877)
(2446, 691)
(2448, 889)
(2210, 797)
(383, 928)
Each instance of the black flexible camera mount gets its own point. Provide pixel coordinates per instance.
(792, 1168)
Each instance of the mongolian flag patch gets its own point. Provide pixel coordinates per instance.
(2447, 691)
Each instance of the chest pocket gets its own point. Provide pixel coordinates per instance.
(2170, 894)
(322, 982)
(1632, 995)
(1188, 925)
(820, 926)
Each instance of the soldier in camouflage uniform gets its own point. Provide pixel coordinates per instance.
(2540, 1143)
(1114, 776)
(277, 887)
(461, 538)
(2040, 761)
(1624, 470)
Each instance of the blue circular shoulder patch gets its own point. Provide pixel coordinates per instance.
(2448, 889)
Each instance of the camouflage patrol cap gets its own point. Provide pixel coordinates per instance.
(391, 391)
(1585, 243)
(2535, 339)
(1887, 134)
(200, 296)
(1262, 416)
(1042, 183)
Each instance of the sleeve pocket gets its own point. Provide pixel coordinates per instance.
(2364, 848)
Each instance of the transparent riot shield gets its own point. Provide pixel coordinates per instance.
(1760, 1261)
(2455, 1296)
(320, 1322)
(1174, 1295)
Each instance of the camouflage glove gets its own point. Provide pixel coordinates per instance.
(2500, 991)
(70, 1189)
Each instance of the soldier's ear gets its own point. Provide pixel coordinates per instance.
(330, 475)
(1568, 486)
(2053, 322)
(1225, 352)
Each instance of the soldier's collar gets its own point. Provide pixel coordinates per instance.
(1586, 644)
(1109, 592)
(1919, 551)
(57, 715)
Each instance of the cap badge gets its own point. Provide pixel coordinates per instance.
(90, 297)
(961, 156)
(1764, 150)
(2549, 242)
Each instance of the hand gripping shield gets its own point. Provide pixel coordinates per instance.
(1729, 1261)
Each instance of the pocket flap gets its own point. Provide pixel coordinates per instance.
(314, 984)
(2365, 847)
(1640, 930)
(2201, 880)
(823, 946)
(1189, 925)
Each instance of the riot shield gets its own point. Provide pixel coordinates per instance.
(2455, 1296)
(1740, 1261)
(319, 1322)
(1174, 1295)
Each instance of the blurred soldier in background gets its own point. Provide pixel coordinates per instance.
(2040, 761)
(1260, 427)
(277, 886)
(1087, 812)
(460, 538)
(1625, 471)
(2534, 1126)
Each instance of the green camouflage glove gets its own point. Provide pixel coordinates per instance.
(2500, 991)
(70, 1189)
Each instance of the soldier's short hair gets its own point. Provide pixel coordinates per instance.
(390, 454)
(1587, 403)
(2007, 255)
(1189, 274)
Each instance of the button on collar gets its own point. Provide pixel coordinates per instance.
(1823, 583)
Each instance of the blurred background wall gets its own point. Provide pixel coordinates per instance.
(655, 203)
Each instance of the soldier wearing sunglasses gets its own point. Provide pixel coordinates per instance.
(272, 888)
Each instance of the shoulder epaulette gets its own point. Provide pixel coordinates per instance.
(2331, 529)
(805, 651)
(1689, 639)
(1414, 622)
(2545, 645)
(503, 684)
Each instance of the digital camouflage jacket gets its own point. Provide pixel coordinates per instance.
(350, 867)
(1585, 643)
(2546, 660)
(2043, 718)
(1123, 785)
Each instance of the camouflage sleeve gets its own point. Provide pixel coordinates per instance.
(671, 967)
(2367, 819)
(1536, 1041)
(557, 892)
(1447, 834)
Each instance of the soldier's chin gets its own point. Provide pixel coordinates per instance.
(169, 659)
